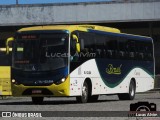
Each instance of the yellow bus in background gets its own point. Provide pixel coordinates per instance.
(5, 67)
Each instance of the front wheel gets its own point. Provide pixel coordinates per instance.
(131, 94)
(37, 100)
(84, 97)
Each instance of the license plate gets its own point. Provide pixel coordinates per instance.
(36, 91)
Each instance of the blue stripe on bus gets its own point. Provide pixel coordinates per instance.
(113, 72)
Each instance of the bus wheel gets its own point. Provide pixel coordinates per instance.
(84, 97)
(131, 94)
(93, 98)
(37, 100)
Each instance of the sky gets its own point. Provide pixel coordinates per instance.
(7, 2)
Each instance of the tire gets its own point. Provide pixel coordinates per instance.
(131, 94)
(37, 100)
(84, 97)
(93, 98)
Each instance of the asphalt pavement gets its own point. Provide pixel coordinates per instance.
(61, 107)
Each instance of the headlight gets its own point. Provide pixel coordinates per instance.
(60, 81)
(13, 80)
(63, 79)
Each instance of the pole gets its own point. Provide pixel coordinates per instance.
(16, 2)
(150, 29)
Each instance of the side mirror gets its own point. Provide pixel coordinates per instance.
(7, 44)
(77, 43)
(77, 47)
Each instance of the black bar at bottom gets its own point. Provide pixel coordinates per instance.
(79, 114)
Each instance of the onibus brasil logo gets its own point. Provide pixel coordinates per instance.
(143, 109)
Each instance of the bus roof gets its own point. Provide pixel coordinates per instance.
(91, 28)
(71, 28)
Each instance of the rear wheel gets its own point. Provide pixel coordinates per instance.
(84, 97)
(131, 94)
(37, 100)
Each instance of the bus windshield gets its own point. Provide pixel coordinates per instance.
(40, 52)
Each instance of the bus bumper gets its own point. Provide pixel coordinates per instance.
(52, 90)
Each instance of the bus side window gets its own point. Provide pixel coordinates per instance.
(132, 52)
(127, 53)
(109, 49)
(122, 50)
(100, 46)
(88, 42)
(122, 43)
(141, 51)
(10, 44)
(3, 56)
(148, 51)
(112, 47)
(115, 50)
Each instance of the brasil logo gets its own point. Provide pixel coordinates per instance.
(113, 70)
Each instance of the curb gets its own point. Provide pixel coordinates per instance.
(157, 90)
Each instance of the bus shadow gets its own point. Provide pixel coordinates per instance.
(74, 102)
(16, 103)
(60, 102)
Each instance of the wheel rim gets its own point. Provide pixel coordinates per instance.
(132, 91)
(84, 92)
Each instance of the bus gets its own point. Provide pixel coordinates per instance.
(5, 67)
(82, 61)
